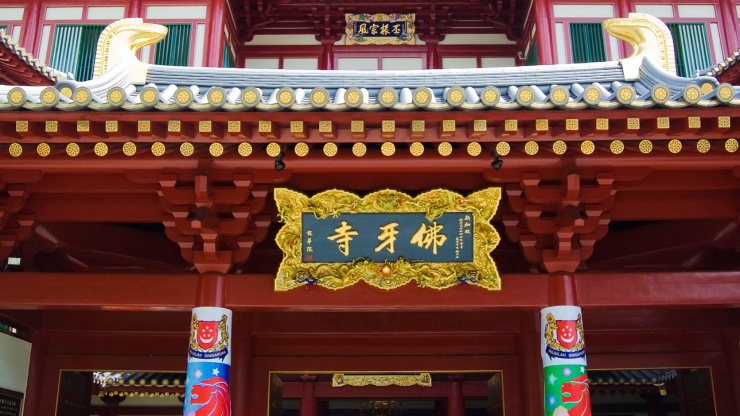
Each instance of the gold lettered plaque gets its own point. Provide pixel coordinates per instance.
(380, 29)
(387, 239)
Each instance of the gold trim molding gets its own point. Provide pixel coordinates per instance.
(381, 380)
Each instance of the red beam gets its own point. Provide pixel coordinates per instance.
(255, 292)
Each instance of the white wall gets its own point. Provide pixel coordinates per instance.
(15, 357)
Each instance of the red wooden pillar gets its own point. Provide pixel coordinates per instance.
(36, 382)
(327, 53)
(215, 45)
(135, 9)
(456, 400)
(308, 396)
(530, 364)
(211, 290)
(432, 54)
(241, 365)
(31, 26)
(545, 49)
(731, 344)
(729, 21)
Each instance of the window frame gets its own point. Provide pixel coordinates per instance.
(610, 51)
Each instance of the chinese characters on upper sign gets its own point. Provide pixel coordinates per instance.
(387, 239)
(380, 29)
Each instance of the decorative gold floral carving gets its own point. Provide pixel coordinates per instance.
(294, 273)
(381, 380)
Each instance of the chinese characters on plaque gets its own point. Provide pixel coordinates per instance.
(380, 29)
(387, 239)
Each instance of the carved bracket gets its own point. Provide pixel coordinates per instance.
(14, 227)
(215, 223)
(557, 222)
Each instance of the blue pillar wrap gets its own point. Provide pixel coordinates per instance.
(209, 363)
(564, 362)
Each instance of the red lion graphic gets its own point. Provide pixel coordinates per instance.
(576, 391)
(210, 398)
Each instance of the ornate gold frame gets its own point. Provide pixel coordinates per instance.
(381, 380)
(294, 273)
(350, 39)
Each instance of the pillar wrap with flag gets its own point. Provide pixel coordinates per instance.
(209, 363)
(564, 362)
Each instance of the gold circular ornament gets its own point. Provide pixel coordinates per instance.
(43, 149)
(675, 146)
(129, 148)
(559, 95)
(588, 147)
(101, 149)
(388, 149)
(82, 96)
(525, 96)
(273, 149)
(645, 146)
(387, 97)
(216, 149)
(422, 97)
(251, 97)
(15, 149)
(183, 97)
(16, 97)
(73, 149)
(416, 149)
(660, 94)
(725, 93)
(187, 149)
(66, 92)
(301, 149)
(531, 148)
(692, 94)
(49, 96)
(616, 146)
(285, 97)
(158, 148)
(592, 95)
(731, 145)
(116, 96)
(244, 149)
(490, 96)
(474, 149)
(216, 96)
(444, 149)
(503, 148)
(353, 97)
(319, 97)
(559, 147)
(455, 96)
(706, 88)
(359, 149)
(330, 149)
(626, 94)
(703, 146)
(149, 96)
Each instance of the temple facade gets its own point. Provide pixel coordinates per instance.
(340, 208)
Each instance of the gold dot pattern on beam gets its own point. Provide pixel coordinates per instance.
(645, 146)
(15, 149)
(503, 148)
(216, 149)
(158, 148)
(273, 149)
(359, 149)
(330, 149)
(245, 149)
(674, 146)
(111, 126)
(444, 149)
(731, 145)
(616, 146)
(531, 148)
(588, 147)
(129, 148)
(301, 149)
(474, 149)
(43, 149)
(559, 147)
(187, 149)
(703, 146)
(73, 149)
(101, 149)
(388, 149)
(416, 149)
